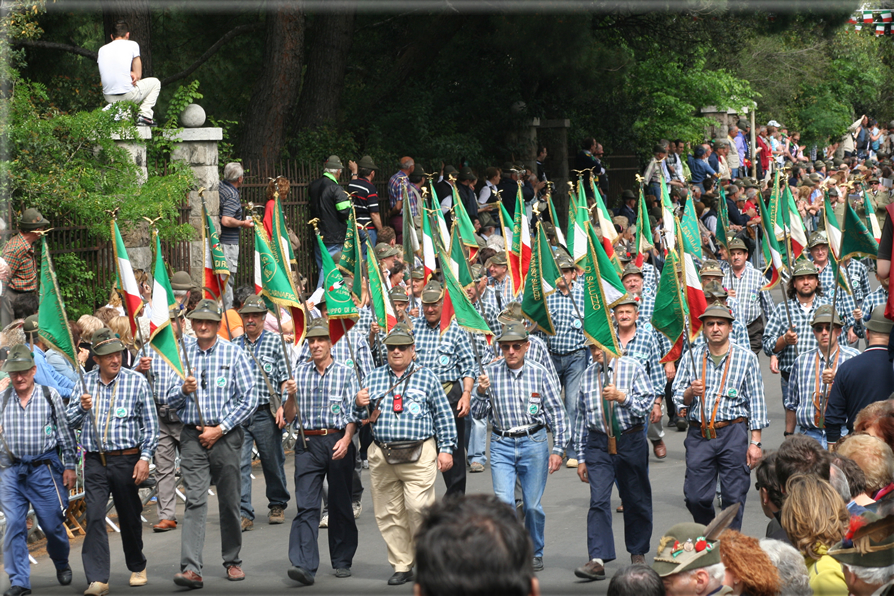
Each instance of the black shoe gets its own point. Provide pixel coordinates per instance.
(143, 121)
(301, 575)
(400, 577)
(64, 576)
(20, 591)
(538, 563)
(681, 424)
(343, 572)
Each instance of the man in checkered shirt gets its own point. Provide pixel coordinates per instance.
(34, 432)
(408, 404)
(819, 251)
(325, 402)
(500, 281)
(744, 283)
(877, 297)
(264, 427)
(724, 402)
(18, 254)
(633, 279)
(812, 377)
(520, 401)
(611, 447)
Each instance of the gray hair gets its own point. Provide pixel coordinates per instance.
(179, 293)
(874, 576)
(789, 563)
(716, 571)
(233, 171)
(839, 482)
(751, 193)
(333, 171)
(407, 164)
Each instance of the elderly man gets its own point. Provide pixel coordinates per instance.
(32, 473)
(745, 283)
(119, 441)
(414, 437)
(19, 256)
(231, 221)
(689, 571)
(498, 268)
(818, 244)
(868, 568)
(398, 186)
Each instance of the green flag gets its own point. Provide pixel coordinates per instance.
(339, 304)
(378, 292)
(464, 222)
(670, 312)
(52, 321)
(351, 260)
(692, 238)
(458, 259)
(410, 239)
(644, 236)
(598, 324)
(457, 305)
(722, 232)
(613, 289)
(856, 240)
(275, 283)
(543, 275)
(162, 338)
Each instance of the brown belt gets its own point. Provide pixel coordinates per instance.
(633, 429)
(723, 423)
(322, 432)
(133, 451)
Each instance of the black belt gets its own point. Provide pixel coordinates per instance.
(34, 464)
(629, 431)
(566, 353)
(263, 407)
(518, 433)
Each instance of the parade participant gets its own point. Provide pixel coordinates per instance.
(18, 253)
(714, 292)
(401, 302)
(744, 283)
(413, 428)
(813, 375)
(499, 281)
(162, 379)
(520, 401)
(270, 386)
(417, 283)
(818, 244)
(33, 473)
(687, 569)
(875, 298)
(119, 442)
(851, 391)
(724, 400)
(537, 350)
(449, 355)
(211, 441)
(567, 348)
(483, 299)
(325, 397)
(610, 446)
(782, 343)
(639, 340)
(633, 279)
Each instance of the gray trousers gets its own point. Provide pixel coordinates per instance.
(200, 468)
(231, 252)
(165, 466)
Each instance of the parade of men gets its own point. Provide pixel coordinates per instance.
(664, 367)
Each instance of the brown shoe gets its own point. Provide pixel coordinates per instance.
(165, 525)
(634, 559)
(235, 573)
(189, 579)
(277, 515)
(247, 524)
(620, 509)
(591, 571)
(659, 448)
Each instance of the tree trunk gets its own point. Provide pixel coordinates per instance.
(276, 90)
(325, 77)
(136, 14)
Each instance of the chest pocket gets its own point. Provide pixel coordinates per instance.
(415, 403)
(445, 357)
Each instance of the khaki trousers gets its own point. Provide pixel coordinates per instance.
(400, 495)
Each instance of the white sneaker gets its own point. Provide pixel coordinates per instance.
(97, 589)
(324, 521)
(358, 509)
(138, 578)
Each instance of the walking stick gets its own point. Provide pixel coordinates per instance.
(195, 395)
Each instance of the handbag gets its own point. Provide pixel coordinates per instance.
(401, 452)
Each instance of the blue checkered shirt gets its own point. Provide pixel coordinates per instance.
(327, 400)
(162, 378)
(449, 356)
(225, 380)
(858, 276)
(741, 395)
(124, 410)
(426, 411)
(30, 431)
(341, 353)
(268, 351)
(739, 335)
(568, 337)
(778, 325)
(629, 376)
(647, 348)
(487, 308)
(503, 292)
(537, 352)
(845, 303)
(802, 384)
(509, 401)
(873, 300)
(749, 299)
(650, 276)
(646, 304)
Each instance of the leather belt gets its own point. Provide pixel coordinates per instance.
(520, 433)
(629, 431)
(322, 432)
(566, 353)
(265, 407)
(724, 423)
(132, 451)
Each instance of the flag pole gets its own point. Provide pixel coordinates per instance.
(825, 395)
(285, 354)
(195, 395)
(552, 254)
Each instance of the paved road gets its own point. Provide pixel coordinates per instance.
(265, 548)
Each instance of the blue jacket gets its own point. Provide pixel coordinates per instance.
(47, 375)
(700, 169)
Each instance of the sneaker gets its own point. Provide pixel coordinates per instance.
(571, 463)
(138, 578)
(358, 509)
(324, 521)
(476, 467)
(592, 570)
(97, 589)
(247, 524)
(538, 563)
(277, 515)
(143, 121)
(343, 572)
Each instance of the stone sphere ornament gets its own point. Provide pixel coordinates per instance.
(192, 116)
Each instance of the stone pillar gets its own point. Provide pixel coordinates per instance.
(198, 148)
(137, 149)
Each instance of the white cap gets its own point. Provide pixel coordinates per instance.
(773, 123)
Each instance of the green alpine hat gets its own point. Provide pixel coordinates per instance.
(627, 195)
(511, 314)
(833, 192)
(627, 300)
(182, 281)
(418, 273)
(30, 326)
(804, 267)
(877, 321)
(333, 163)
(366, 163)
(175, 312)
(207, 310)
(477, 271)
(826, 314)
(383, 251)
(631, 269)
(513, 332)
(497, 259)
(466, 173)
(20, 359)
(486, 220)
(624, 256)
(564, 261)
(816, 239)
(711, 268)
(870, 545)
(432, 292)
(32, 220)
(718, 310)
(105, 342)
(398, 294)
(819, 164)
(714, 290)
(685, 548)
(417, 174)
(737, 244)
(400, 336)
(318, 327)
(253, 304)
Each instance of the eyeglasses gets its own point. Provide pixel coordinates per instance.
(822, 327)
(398, 348)
(204, 380)
(513, 347)
(715, 324)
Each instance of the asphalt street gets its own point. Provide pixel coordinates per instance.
(264, 550)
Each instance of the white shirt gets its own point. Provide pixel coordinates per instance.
(115, 61)
(486, 192)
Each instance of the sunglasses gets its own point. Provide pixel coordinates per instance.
(822, 327)
(398, 348)
(204, 380)
(513, 347)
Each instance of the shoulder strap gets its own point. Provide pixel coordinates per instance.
(48, 397)
(274, 398)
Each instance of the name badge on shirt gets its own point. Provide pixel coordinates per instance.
(732, 393)
(268, 367)
(534, 404)
(577, 324)
(120, 412)
(221, 381)
(48, 430)
(415, 408)
(335, 408)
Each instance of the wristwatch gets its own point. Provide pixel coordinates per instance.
(758, 443)
(787, 434)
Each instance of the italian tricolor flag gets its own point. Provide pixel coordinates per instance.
(464, 222)
(670, 310)
(578, 220)
(215, 263)
(130, 291)
(162, 338)
(667, 218)
(643, 231)
(609, 234)
(792, 220)
(378, 292)
(458, 306)
(771, 249)
(520, 255)
(429, 261)
(690, 240)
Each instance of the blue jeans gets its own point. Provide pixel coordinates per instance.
(21, 484)
(570, 368)
(815, 433)
(476, 440)
(526, 459)
(318, 257)
(262, 429)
